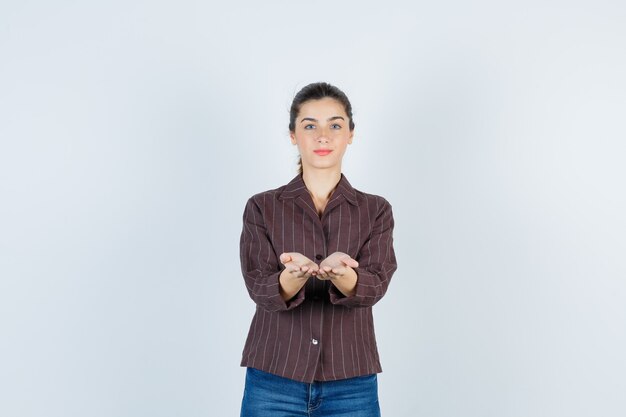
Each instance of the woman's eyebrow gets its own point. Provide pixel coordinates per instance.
(329, 119)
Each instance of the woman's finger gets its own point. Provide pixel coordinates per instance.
(350, 262)
(285, 257)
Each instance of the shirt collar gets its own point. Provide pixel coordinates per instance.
(297, 187)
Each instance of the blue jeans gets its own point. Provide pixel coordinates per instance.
(269, 395)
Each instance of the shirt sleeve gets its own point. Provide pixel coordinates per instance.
(260, 265)
(377, 263)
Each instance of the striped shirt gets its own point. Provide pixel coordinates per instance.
(319, 334)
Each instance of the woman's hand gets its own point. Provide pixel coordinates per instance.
(298, 269)
(298, 265)
(336, 265)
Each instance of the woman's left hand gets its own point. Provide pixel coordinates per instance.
(335, 266)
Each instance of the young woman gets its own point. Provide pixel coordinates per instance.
(316, 255)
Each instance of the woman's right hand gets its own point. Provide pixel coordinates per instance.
(298, 265)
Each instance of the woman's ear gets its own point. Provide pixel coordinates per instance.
(293, 138)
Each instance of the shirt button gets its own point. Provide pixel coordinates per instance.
(314, 341)
(318, 257)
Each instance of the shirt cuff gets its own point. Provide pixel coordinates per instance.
(364, 290)
(293, 302)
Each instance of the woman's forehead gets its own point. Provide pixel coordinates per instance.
(324, 108)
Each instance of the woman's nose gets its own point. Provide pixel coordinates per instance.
(323, 137)
(324, 133)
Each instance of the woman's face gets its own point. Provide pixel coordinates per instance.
(322, 125)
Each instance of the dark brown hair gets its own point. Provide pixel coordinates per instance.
(317, 91)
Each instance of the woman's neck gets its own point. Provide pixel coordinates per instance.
(321, 183)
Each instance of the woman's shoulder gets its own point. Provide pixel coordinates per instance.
(265, 194)
(262, 197)
(291, 189)
(371, 199)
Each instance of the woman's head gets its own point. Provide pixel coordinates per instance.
(320, 118)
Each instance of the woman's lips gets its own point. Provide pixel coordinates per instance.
(323, 152)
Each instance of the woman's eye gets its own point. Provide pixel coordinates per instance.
(307, 126)
(338, 125)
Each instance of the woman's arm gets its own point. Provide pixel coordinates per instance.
(377, 263)
(261, 269)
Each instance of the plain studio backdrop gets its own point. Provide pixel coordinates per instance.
(133, 132)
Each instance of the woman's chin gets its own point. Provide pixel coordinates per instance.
(321, 165)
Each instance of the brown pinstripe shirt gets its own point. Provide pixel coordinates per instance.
(319, 334)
